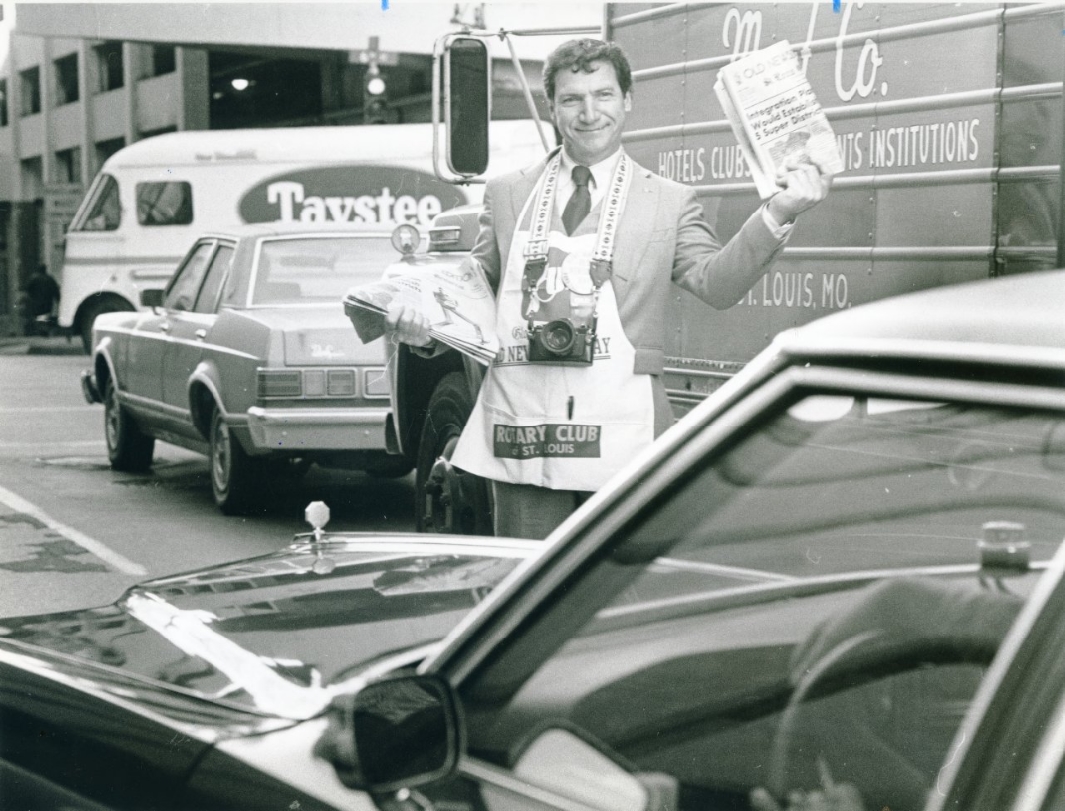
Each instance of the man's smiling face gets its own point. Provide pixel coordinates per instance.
(589, 110)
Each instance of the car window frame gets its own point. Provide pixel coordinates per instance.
(211, 243)
(215, 271)
(1030, 663)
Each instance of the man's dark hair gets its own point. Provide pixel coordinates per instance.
(578, 55)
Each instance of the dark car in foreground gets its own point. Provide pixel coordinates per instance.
(206, 690)
(840, 577)
(248, 358)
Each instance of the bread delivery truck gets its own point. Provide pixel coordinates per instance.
(949, 120)
(152, 199)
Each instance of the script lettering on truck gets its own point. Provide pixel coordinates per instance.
(385, 195)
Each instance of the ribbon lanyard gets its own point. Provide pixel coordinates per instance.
(603, 256)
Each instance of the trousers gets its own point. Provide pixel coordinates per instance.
(529, 511)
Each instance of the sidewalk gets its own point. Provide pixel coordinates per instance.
(34, 345)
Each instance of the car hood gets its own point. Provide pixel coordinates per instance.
(318, 336)
(275, 634)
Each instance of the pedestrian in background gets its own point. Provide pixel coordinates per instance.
(39, 302)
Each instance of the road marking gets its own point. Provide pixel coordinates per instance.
(116, 560)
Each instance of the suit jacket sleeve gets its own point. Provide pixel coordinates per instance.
(720, 275)
(486, 251)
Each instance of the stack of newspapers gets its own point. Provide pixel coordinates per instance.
(456, 300)
(775, 115)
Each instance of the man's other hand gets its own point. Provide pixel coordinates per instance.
(407, 325)
(803, 184)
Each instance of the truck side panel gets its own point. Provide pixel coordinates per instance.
(948, 117)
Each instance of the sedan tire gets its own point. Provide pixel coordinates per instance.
(129, 449)
(236, 479)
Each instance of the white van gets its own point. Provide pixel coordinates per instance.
(152, 199)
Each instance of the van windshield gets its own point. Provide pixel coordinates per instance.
(318, 269)
(104, 212)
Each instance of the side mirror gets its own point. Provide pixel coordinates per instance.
(467, 105)
(152, 298)
(400, 732)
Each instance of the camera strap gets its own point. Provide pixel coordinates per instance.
(602, 261)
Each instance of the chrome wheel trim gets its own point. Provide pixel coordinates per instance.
(112, 418)
(221, 454)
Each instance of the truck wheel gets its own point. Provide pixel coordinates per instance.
(128, 448)
(448, 500)
(91, 311)
(235, 477)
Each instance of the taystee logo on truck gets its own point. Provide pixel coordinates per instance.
(387, 195)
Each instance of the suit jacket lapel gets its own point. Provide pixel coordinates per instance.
(519, 193)
(637, 221)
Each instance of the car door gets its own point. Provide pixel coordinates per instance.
(141, 375)
(189, 331)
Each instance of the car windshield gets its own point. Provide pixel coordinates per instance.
(680, 648)
(317, 269)
(838, 485)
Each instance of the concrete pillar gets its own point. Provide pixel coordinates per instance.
(88, 81)
(47, 103)
(194, 88)
(129, 85)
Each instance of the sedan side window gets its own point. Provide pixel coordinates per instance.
(207, 301)
(181, 294)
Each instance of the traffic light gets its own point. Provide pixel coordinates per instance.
(374, 96)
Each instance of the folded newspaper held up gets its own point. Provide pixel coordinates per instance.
(457, 301)
(775, 115)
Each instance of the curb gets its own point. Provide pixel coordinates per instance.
(22, 345)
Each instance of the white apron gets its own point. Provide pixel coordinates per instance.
(565, 427)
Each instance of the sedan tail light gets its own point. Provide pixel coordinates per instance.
(279, 384)
(307, 383)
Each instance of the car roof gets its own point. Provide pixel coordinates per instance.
(1019, 318)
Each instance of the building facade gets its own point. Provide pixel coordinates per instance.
(78, 81)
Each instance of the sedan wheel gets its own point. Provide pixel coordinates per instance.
(235, 479)
(128, 448)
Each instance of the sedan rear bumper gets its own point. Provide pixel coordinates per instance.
(322, 429)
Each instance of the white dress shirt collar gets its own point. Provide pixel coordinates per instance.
(602, 173)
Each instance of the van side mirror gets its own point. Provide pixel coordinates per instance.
(467, 105)
(152, 298)
(401, 732)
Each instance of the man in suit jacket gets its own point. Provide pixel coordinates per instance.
(544, 459)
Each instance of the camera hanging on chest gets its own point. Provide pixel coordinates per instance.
(561, 318)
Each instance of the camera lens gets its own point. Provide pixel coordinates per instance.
(558, 337)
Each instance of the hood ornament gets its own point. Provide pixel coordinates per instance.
(317, 515)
